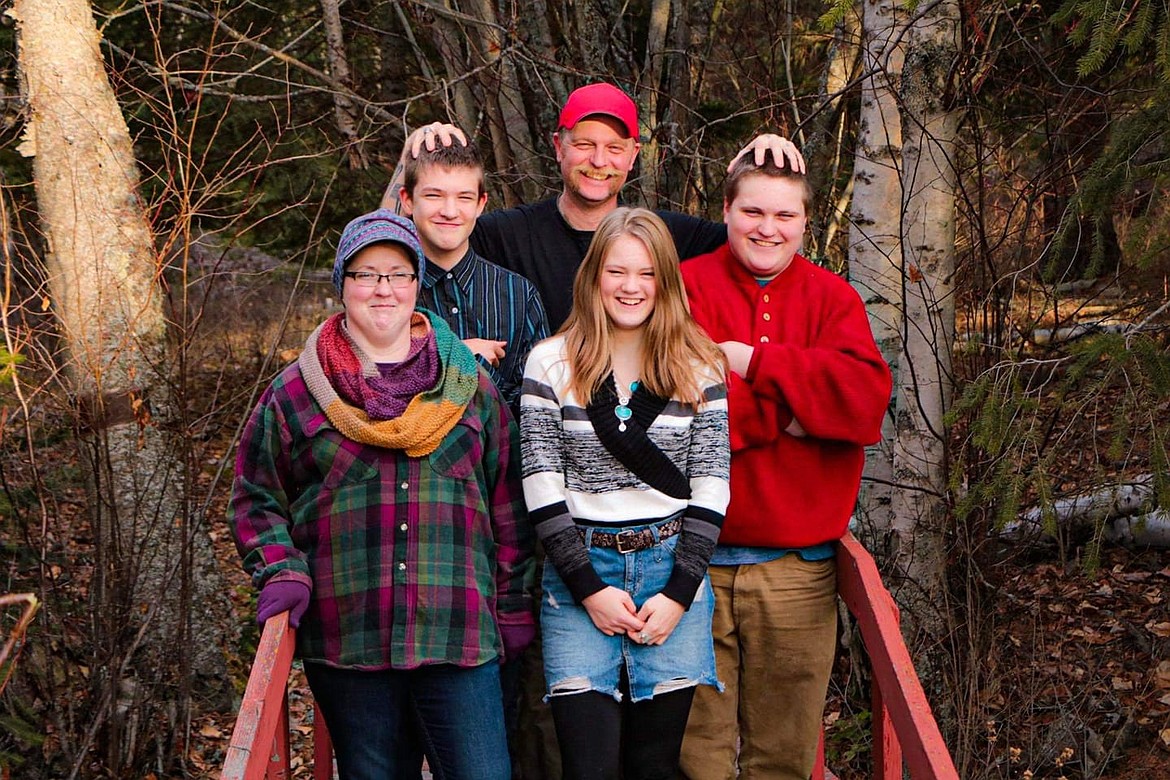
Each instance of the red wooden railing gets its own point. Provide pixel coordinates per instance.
(259, 748)
(903, 726)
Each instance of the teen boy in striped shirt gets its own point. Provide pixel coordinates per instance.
(496, 312)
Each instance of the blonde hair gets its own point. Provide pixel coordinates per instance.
(676, 351)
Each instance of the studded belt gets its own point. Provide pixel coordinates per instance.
(633, 541)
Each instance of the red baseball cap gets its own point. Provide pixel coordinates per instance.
(600, 98)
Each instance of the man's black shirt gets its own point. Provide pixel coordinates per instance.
(536, 242)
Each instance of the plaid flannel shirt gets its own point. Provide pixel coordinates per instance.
(412, 561)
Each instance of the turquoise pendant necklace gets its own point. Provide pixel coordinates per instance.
(623, 411)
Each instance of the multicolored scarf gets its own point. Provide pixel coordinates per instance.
(360, 401)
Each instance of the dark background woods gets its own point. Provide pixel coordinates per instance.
(259, 129)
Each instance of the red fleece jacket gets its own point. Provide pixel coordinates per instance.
(815, 360)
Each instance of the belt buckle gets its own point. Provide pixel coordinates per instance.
(621, 547)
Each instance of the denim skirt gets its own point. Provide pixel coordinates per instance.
(578, 657)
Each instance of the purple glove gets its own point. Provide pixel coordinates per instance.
(291, 596)
(516, 639)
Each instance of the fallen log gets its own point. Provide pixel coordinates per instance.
(1077, 331)
(1124, 510)
(1148, 530)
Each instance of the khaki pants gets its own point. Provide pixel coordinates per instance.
(775, 631)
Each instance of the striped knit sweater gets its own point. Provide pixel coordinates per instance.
(570, 478)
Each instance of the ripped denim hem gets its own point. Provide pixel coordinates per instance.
(571, 686)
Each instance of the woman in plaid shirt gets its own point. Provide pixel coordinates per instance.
(377, 500)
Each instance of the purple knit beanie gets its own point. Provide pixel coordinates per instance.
(377, 227)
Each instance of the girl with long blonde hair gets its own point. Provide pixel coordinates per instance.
(626, 457)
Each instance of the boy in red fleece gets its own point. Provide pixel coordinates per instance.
(808, 391)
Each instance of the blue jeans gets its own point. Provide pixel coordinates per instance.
(578, 657)
(458, 713)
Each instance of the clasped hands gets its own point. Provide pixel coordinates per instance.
(614, 612)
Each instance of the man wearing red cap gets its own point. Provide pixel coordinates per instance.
(596, 146)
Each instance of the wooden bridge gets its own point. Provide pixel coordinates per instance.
(904, 731)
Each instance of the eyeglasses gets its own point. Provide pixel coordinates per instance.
(399, 280)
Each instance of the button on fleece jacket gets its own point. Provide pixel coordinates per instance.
(815, 360)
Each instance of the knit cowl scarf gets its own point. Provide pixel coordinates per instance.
(412, 407)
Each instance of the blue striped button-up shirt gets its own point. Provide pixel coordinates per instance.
(479, 299)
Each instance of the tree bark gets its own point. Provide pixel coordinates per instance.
(650, 184)
(595, 33)
(1123, 501)
(544, 88)
(824, 145)
(448, 38)
(681, 160)
(514, 151)
(103, 275)
(1149, 530)
(344, 110)
(875, 248)
(924, 385)
(902, 262)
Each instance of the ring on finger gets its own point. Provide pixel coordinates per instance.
(643, 638)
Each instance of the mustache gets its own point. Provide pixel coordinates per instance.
(594, 171)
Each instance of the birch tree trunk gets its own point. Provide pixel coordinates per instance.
(103, 275)
(875, 247)
(924, 384)
(902, 245)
